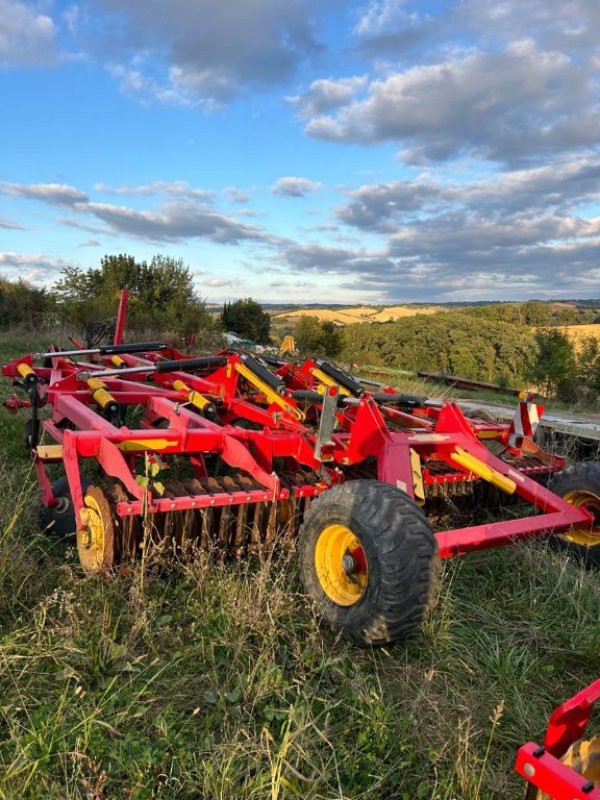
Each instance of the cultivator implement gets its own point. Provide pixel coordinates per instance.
(236, 454)
(566, 767)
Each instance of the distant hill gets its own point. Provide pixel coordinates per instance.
(349, 315)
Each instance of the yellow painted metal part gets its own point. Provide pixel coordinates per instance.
(334, 542)
(147, 444)
(181, 386)
(417, 475)
(91, 540)
(25, 370)
(117, 361)
(486, 434)
(288, 345)
(591, 502)
(327, 381)
(49, 452)
(271, 395)
(584, 758)
(485, 472)
(194, 397)
(100, 393)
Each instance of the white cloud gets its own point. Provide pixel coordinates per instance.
(172, 188)
(175, 221)
(512, 106)
(37, 268)
(295, 187)
(27, 39)
(326, 94)
(59, 194)
(10, 224)
(204, 52)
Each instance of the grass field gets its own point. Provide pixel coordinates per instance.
(351, 315)
(216, 682)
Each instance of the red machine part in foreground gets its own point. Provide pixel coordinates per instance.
(549, 768)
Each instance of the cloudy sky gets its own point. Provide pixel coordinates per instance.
(307, 150)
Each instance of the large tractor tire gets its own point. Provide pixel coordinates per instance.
(368, 560)
(59, 520)
(580, 486)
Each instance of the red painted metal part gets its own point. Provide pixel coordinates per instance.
(541, 766)
(569, 721)
(551, 776)
(121, 317)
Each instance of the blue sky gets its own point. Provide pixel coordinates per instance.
(302, 151)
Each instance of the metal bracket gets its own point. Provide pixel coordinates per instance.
(327, 421)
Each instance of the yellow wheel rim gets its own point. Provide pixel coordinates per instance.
(584, 758)
(95, 540)
(341, 565)
(590, 501)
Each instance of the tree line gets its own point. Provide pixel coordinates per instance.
(515, 344)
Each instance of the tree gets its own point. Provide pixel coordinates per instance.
(452, 341)
(161, 294)
(555, 360)
(247, 319)
(318, 338)
(22, 304)
(588, 361)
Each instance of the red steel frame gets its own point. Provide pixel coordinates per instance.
(541, 766)
(363, 432)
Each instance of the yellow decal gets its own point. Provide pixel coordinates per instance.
(147, 444)
(417, 476)
(46, 452)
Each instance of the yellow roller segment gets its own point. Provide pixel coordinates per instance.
(194, 397)
(342, 580)
(27, 373)
(117, 361)
(100, 392)
(584, 499)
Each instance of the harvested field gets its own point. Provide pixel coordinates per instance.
(579, 333)
(349, 316)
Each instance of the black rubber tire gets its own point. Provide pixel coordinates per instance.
(59, 520)
(481, 415)
(401, 553)
(582, 476)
